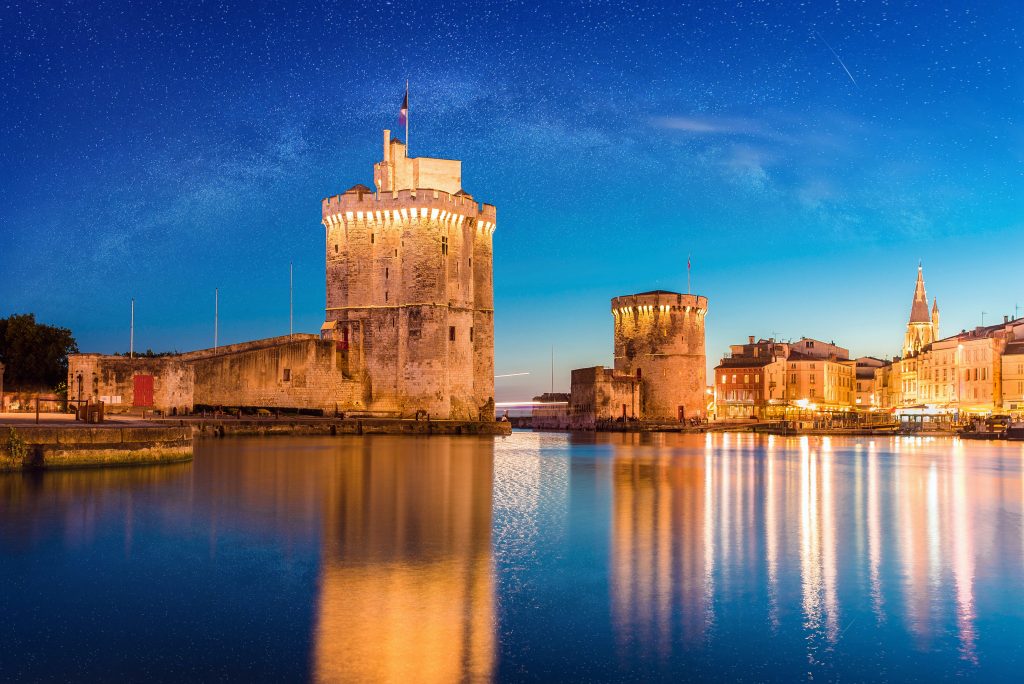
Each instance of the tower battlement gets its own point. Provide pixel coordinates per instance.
(659, 301)
(405, 205)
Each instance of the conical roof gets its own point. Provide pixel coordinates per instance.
(919, 309)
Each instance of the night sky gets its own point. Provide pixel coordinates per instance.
(807, 155)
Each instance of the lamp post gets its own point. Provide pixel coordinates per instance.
(959, 362)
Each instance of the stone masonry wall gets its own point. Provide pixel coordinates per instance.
(303, 373)
(250, 374)
(111, 379)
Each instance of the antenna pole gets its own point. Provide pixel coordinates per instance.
(407, 117)
(216, 314)
(552, 369)
(291, 300)
(131, 335)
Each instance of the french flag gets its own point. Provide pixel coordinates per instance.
(403, 113)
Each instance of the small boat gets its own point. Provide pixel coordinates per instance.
(982, 435)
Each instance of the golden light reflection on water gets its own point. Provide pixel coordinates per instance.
(406, 585)
(885, 522)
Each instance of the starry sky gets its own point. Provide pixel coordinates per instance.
(806, 154)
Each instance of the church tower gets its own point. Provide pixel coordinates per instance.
(922, 328)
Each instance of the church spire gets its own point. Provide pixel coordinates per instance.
(919, 308)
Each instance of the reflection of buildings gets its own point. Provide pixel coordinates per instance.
(78, 505)
(790, 532)
(659, 572)
(406, 586)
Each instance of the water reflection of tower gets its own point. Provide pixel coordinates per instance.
(658, 555)
(406, 587)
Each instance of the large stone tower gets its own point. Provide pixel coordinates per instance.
(659, 339)
(922, 328)
(410, 298)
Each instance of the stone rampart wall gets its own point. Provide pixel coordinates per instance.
(303, 373)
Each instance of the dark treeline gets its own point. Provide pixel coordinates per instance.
(149, 354)
(35, 355)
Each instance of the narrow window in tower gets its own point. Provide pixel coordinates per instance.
(470, 334)
(396, 250)
(335, 249)
(444, 245)
(451, 333)
(372, 237)
(386, 271)
(287, 375)
(385, 295)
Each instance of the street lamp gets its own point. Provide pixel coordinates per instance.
(959, 362)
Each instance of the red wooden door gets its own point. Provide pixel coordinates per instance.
(143, 390)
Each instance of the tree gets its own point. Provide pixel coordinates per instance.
(35, 354)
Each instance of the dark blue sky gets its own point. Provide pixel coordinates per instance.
(806, 154)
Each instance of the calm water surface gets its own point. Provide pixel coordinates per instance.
(535, 557)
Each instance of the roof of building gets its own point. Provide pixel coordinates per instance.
(982, 331)
(744, 362)
(799, 356)
(358, 188)
(657, 292)
(1011, 349)
(919, 309)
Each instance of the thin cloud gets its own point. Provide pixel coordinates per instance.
(711, 126)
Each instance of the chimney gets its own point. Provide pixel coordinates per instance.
(1006, 319)
(750, 339)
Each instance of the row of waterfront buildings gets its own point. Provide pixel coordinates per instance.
(974, 372)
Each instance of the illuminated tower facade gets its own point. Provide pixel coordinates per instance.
(410, 297)
(923, 327)
(659, 340)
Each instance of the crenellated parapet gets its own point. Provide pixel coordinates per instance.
(659, 302)
(409, 206)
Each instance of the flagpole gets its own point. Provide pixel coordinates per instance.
(131, 337)
(688, 290)
(406, 117)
